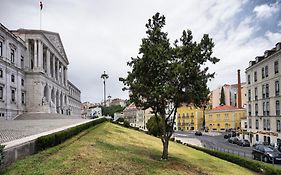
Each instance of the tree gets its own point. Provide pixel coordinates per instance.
(164, 76)
(104, 76)
(154, 126)
(222, 99)
(110, 110)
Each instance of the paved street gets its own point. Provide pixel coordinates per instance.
(215, 141)
(16, 129)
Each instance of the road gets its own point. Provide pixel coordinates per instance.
(216, 141)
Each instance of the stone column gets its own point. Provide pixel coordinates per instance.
(57, 74)
(35, 55)
(66, 78)
(48, 62)
(62, 74)
(54, 66)
(40, 56)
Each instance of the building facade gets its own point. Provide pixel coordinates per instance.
(263, 97)
(189, 117)
(34, 69)
(74, 96)
(136, 116)
(230, 93)
(224, 117)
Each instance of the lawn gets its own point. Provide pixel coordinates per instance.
(112, 149)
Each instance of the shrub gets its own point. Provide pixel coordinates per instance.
(172, 139)
(54, 139)
(126, 124)
(256, 166)
(179, 141)
(1, 154)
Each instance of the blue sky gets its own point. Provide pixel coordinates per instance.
(102, 35)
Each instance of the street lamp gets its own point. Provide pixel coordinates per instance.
(104, 76)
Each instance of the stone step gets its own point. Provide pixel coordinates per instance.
(39, 116)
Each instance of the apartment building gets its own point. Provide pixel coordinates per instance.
(263, 97)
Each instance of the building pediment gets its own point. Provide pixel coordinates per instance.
(54, 38)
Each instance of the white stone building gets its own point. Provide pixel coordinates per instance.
(263, 97)
(33, 67)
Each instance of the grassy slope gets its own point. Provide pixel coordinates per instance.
(111, 149)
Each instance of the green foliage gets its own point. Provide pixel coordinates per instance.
(154, 126)
(126, 124)
(164, 76)
(54, 139)
(222, 99)
(120, 120)
(110, 110)
(256, 166)
(1, 154)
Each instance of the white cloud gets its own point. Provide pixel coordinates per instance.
(266, 10)
(103, 35)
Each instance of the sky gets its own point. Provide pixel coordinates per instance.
(103, 35)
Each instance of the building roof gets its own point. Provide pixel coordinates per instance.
(225, 108)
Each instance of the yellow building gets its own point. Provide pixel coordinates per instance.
(224, 117)
(189, 118)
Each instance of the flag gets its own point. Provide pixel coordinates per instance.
(41, 5)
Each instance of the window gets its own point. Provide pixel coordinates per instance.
(1, 92)
(277, 89)
(262, 73)
(1, 73)
(249, 109)
(264, 124)
(256, 93)
(266, 71)
(13, 95)
(1, 48)
(257, 137)
(277, 107)
(263, 91)
(22, 98)
(249, 79)
(12, 78)
(268, 124)
(276, 67)
(12, 55)
(250, 123)
(267, 108)
(22, 82)
(278, 126)
(266, 90)
(263, 108)
(22, 62)
(249, 95)
(257, 123)
(256, 109)
(255, 76)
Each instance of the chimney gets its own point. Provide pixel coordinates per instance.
(239, 105)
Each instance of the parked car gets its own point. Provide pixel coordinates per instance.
(198, 133)
(227, 136)
(266, 154)
(233, 140)
(243, 142)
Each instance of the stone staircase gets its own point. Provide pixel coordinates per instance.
(42, 116)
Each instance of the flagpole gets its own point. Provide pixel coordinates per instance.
(40, 19)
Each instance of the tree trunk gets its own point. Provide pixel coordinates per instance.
(165, 142)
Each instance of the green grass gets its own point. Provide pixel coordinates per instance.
(112, 149)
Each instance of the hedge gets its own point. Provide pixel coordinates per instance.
(253, 165)
(54, 139)
(1, 154)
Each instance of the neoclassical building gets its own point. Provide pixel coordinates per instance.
(33, 74)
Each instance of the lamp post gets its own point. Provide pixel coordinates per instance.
(104, 76)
